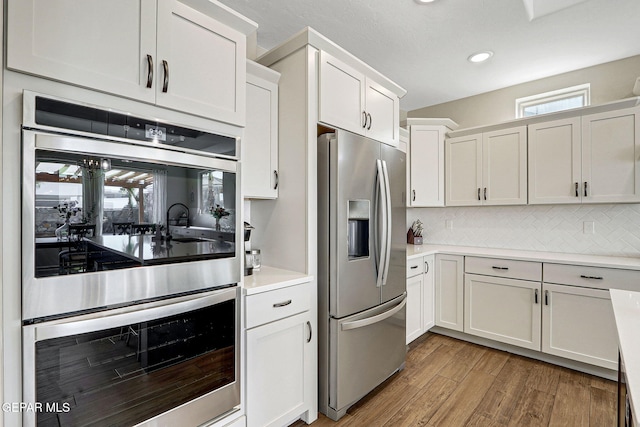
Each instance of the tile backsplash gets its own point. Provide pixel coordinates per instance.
(612, 229)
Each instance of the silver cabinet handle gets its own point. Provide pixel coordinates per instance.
(546, 297)
(577, 193)
(310, 332)
(370, 121)
(485, 193)
(479, 194)
(585, 189)
(275, 186)
(535, 296)
(495, 267)
(414, 195)
(165, 83)
(426, 264)
(364, 121)
(282, 304)
(591, 277)
(149, 71)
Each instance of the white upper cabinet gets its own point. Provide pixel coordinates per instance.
(105, 45)
(162, 52)
(426, 162)
(487, 168)
(201, 64)
(260, 140)
(610, 151)
(587, 159)
(350, 100)
(554, 161)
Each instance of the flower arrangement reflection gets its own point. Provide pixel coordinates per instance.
(66, 210)
(218, 213)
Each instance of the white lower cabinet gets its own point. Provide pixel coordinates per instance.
(414, 307)
(449, 291)
(505, 310)
(420, 296)
(279, 357)
(578, 323)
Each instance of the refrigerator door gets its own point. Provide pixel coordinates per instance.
(353, 272)
(366, 349)
(395, 274)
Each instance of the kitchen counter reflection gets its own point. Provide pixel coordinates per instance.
(146, 250)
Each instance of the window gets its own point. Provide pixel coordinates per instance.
(550, 102)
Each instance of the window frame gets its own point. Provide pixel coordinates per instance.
(583, 90)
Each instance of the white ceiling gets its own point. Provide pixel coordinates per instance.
(424, 48)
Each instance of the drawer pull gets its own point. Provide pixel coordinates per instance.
(495, 267)
(591, 277)
(413, 267)
(426, 264)
(282, 304)
(535, 296)
(546, 297)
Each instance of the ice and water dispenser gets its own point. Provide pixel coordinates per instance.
(358, 228)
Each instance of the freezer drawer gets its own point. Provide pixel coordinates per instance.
(365, 349)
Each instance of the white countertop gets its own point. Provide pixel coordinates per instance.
(629, 263)
(626, 308)
(271, 278)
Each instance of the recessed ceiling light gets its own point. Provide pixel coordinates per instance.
(424, 1)
(480, 56)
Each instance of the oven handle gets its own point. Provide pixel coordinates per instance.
(130, 315)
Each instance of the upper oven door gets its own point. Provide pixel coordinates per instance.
(96, 214)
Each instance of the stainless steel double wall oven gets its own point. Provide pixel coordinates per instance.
(131, 252)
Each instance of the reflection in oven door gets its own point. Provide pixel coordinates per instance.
(127, 368)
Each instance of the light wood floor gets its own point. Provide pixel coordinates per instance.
(448, 382)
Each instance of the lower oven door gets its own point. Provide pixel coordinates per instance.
(173, 362)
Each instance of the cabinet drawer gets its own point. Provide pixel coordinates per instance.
(273, 305)
(592, 277)
(415, 266)
(525, 270)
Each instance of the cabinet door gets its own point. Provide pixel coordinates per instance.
(201, 64)
(383, 114)
(428, 293)
(449, 291)
(98, 44)
(414, 307)
(555, 164)
(578, 323)
(342, 96)
(463, 171)
(610, 151)
(426, 168)
(505, 310)
(278, 366)
(260, 140)
(504, 166)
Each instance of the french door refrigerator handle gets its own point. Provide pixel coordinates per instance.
(387, 237)
(383, 237)
(373, 319)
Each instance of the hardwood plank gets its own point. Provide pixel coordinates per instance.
(604, 384)
(533, 409)
(572, 403)
(424, 404)
(432, 365)
(603, 407)
(492, 362)
(456, 410)
(544, 377)
(463, 361)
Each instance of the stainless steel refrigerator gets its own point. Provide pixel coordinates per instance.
(361, 267)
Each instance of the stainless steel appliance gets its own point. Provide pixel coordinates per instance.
(167, 363)
(361, 267)
(119, 209)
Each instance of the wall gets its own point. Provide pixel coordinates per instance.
(552, 228)
(609, 82)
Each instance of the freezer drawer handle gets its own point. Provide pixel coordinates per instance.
(282, 304)
(374, 319)
(591, 277)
